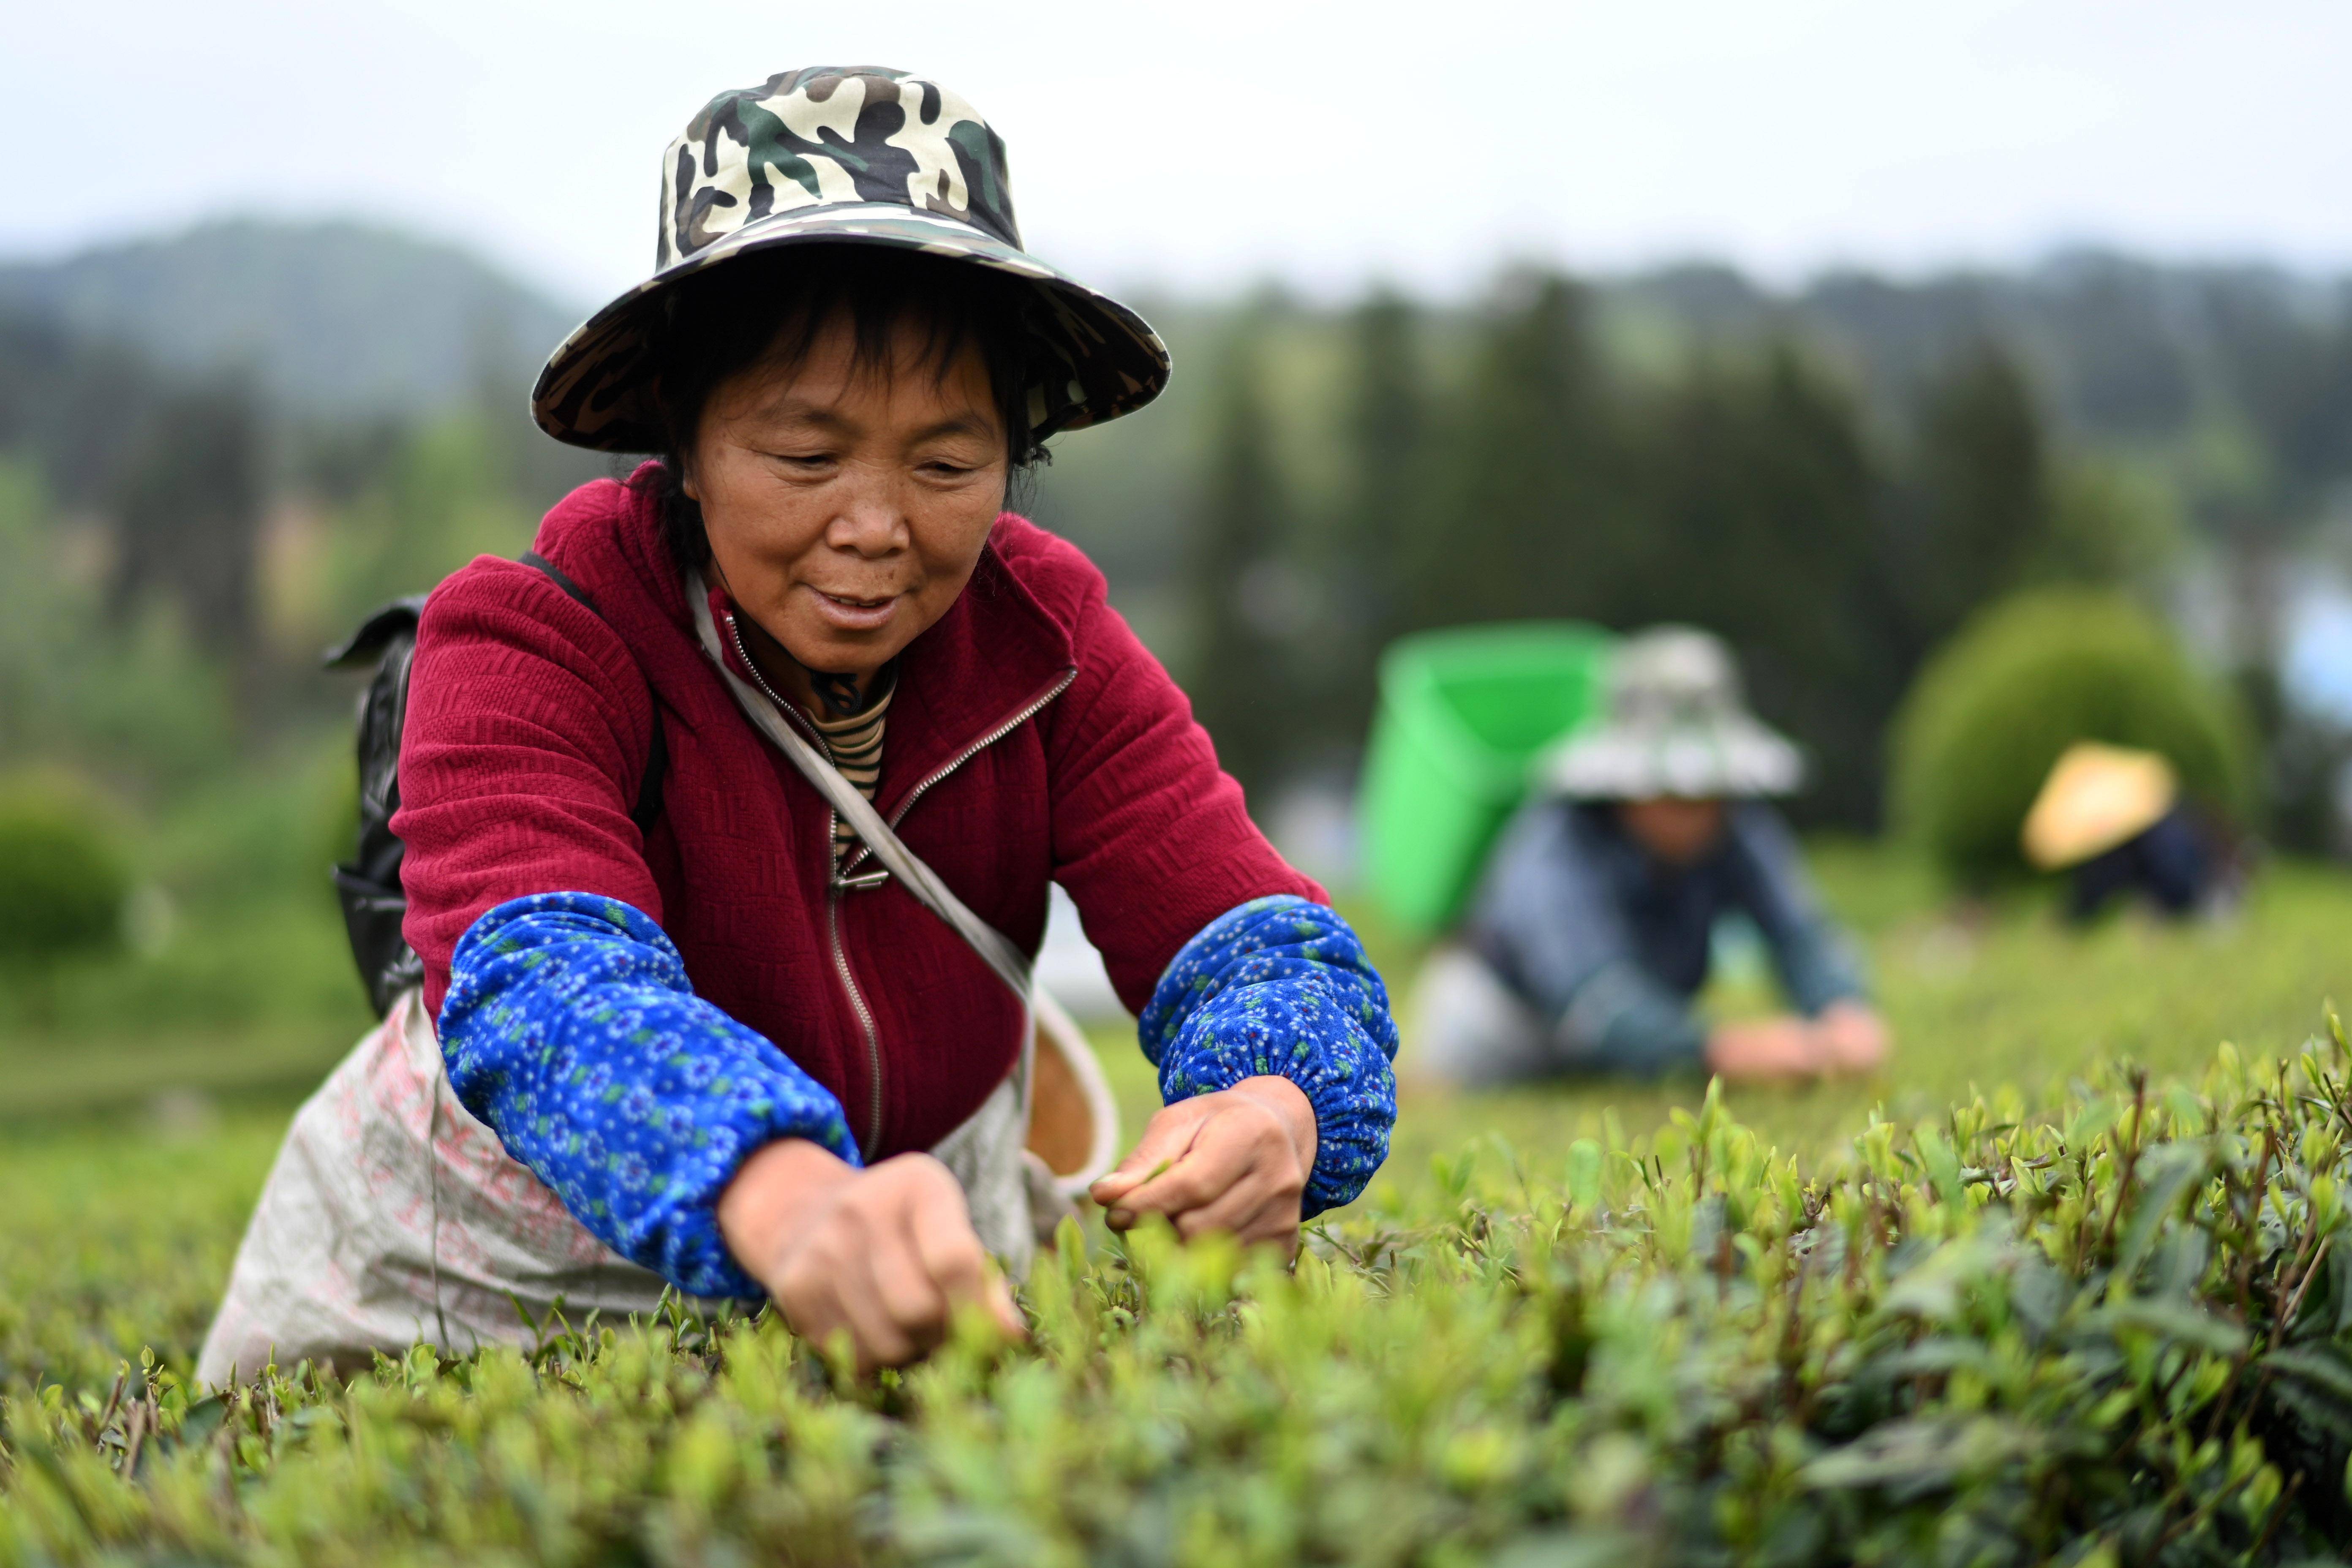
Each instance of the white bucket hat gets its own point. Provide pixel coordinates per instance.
(1675, 724)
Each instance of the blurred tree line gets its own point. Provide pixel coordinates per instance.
(1744, 491)
(178, 546)
(1835, 477)
(1837, 522)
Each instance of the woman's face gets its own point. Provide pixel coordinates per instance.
(846, 506)
(1677, 831)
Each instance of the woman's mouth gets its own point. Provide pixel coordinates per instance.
(853, 613)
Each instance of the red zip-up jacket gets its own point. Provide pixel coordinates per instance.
(1032, 740)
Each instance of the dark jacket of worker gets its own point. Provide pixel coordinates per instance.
(2174, 865)
(1610, 945)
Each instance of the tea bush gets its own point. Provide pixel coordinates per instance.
(1991, 712)
(63, 879)
(2120, 1333)
(238, 933)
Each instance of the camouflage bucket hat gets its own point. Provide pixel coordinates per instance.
(837, 156)
(1675, 724)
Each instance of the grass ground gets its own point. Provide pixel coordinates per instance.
(124, 1199)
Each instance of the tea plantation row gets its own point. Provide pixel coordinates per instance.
(2124, 1336)
(2051, 1324)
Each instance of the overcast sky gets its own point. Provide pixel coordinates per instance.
(1204, 144)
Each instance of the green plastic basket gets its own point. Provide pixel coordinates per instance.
(1461, 714)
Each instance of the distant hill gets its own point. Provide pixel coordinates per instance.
(338, 318)
(2124, 348)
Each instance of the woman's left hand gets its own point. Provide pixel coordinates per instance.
(1236, 1159)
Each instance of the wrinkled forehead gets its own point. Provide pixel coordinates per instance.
(908, 362)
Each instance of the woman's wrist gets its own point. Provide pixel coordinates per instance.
(1291, 1106)
(773, 1193)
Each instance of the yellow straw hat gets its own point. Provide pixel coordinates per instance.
(2096, 797)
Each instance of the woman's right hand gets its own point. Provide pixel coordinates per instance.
(1852, 1035)
(1847, 1037)
(1764, 1049)
(883, 1256)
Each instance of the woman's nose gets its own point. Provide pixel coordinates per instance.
(869, 518)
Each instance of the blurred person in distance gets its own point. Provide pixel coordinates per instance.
(2114, 818)
(1592, 929)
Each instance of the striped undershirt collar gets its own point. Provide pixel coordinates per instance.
(855, 742)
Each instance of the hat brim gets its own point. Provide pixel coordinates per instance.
(1729, 760)
(598, 388)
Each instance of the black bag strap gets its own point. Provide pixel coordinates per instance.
(557, 575)
(649, 786)
(364, 646)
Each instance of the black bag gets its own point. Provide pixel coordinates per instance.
(368, 885)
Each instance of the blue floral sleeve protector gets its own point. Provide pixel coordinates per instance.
(570, 1029)
(1280, 986)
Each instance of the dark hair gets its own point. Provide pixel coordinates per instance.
(770, 308)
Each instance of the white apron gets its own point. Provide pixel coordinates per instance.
(394, 1216)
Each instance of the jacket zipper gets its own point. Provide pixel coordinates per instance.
(835, 882)
(865, 1024)
(952, 763)
(865, 1018)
